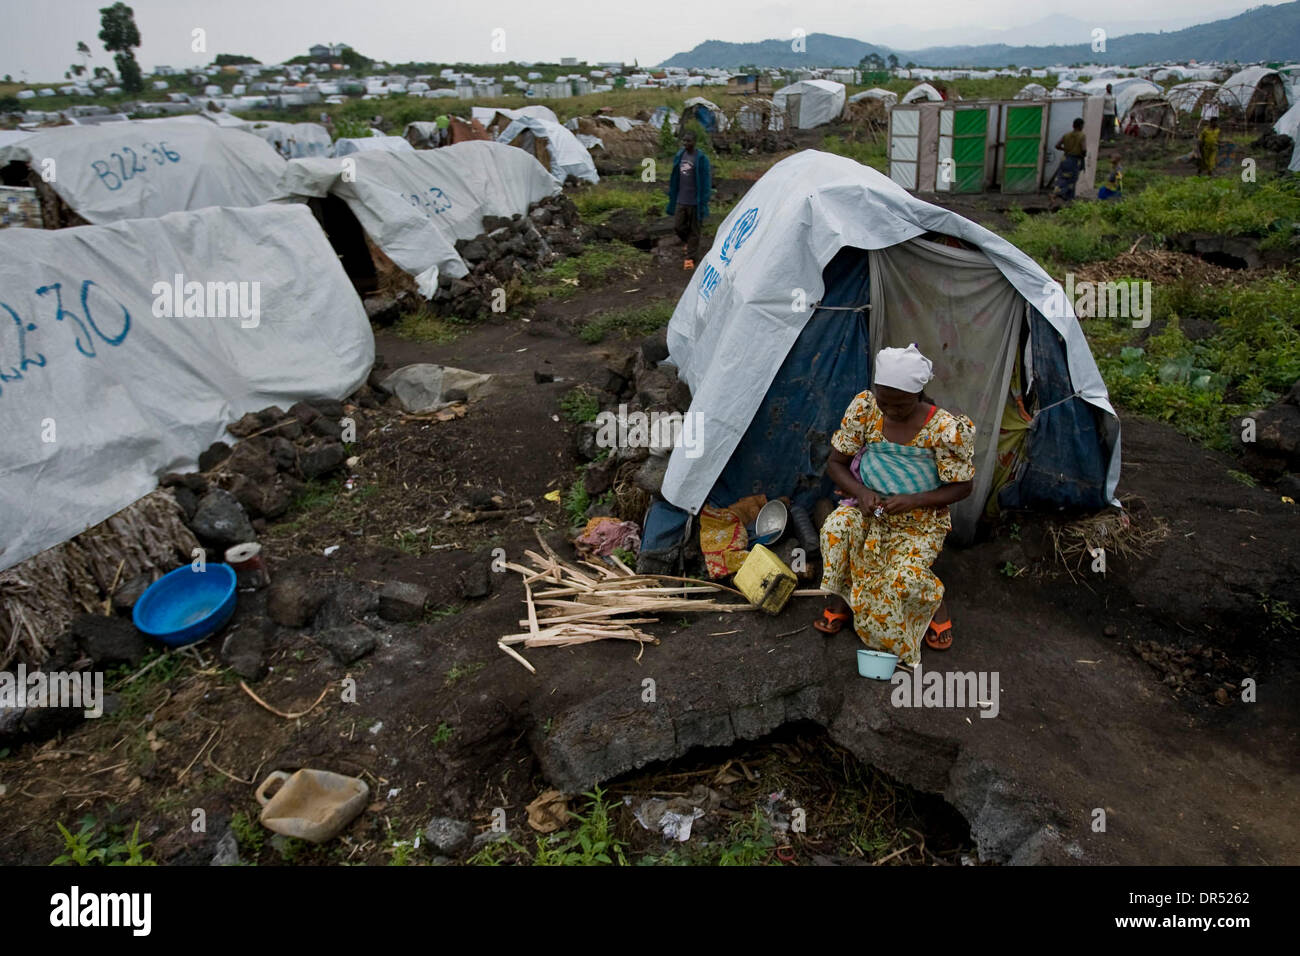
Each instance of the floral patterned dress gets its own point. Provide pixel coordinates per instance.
(881, 566)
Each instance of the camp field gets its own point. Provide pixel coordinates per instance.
(1124, 683)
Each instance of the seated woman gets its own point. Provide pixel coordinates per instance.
(904, 461)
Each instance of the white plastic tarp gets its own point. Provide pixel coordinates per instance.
(104, 391)
(568, 156)
(1288, 124)
(1184, 96)
(293, 140)
(416, 204)
(1125, 90)
(486, 114)
(139, 170)
(820, 102)
(733, 326)
(889, 97)
(371, 144)
(922, 91)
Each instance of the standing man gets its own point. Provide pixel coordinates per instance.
(1108, 115)
(689, 188)
(1075, 146)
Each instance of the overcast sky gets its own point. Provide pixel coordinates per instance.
(40, 36)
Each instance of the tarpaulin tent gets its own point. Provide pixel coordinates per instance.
(1257, 94)
(1149, 115)
(888, 97)
(293, 140)
(1192, 96)
(1032, 91)
(706, 113)
(555, 147)
(499, 115)
(770, 376)
(139, 381)
(810, 103)
(139, 170)
(921, 92)
(371, 144)
(1289, 125)
(1126, 91)
(415, 205)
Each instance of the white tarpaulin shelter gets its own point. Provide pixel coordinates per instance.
(1126, 91)
(811, 103)
(1032, 91)
(371, 144)
(922, 91)
(888, 97)
(1255, 92)
(734, 327)
(416, 204)
(1289, 125)
(293, 140)
(134, 394)
(567, 157)
(139, 170)
(487, 114)
(1184, 97)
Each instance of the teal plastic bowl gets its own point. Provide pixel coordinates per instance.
(876, 664)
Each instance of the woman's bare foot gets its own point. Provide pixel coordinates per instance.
(834, 617)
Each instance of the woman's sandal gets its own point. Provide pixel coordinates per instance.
(831, 621)
(937, 637)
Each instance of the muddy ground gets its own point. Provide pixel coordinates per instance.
(1119, 692)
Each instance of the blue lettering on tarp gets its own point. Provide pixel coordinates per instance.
(437, 202)
(113, 181)
(85, 323)
(709, 280)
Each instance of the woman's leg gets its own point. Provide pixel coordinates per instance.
(841, 535)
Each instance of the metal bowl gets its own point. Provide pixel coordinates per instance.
(770, 524)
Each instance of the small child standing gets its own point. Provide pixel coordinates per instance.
(1113, 188)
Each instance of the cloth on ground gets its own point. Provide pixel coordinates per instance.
(604, 535)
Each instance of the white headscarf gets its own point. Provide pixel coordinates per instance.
(904, 369)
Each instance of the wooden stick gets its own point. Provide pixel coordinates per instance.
(279, 713)
(517, 656)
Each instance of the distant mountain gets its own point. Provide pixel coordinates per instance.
(1265, 33)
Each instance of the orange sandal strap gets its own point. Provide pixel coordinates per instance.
(936, 639)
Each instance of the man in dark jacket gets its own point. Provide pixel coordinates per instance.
(689, 188)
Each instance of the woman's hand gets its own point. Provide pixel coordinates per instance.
(898, 504)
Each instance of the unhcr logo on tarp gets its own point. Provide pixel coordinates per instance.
(208, 300)
(737, 236)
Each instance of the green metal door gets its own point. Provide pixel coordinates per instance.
(969, 137)
(1023, 149)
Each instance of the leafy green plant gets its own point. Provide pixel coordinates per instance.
(593, 843)
(576, 503)
(496, 852)
(249, 833)
(751, 842)
(442, 735)
(580, 405)
(79, 848)
(1241, 478)
(1010, 570)
(91, 845)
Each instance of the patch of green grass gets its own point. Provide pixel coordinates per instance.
(438, 613)
(580, 405)
(497, 852)
(292, 849)
(249, 833)
(1241, 478)
(316, 493)
(576, 502)
(443, 734)
(595, 203)
(632, 320)
(424, 326)
(871, 154)
(139, 693)
(597, 265)
(459, 672)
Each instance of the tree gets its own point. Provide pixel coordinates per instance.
(911, 65)
(121, 36)
(893, 61)
(873, 62)
(234, 59)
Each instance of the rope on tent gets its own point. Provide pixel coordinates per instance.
(1054, 404)
(842, 308)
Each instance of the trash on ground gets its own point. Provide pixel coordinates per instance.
(312, 805)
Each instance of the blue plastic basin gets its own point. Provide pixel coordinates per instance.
(876, 664)
(185, 606)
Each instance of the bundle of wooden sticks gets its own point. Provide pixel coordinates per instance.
(578, 605)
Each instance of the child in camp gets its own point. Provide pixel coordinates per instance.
(903, 460)
(1113, 188)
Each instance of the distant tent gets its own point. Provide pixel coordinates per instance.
(371, 144)
(1192, 96)
(881, 268)
(1032, 91)
(1126, 91)
(1289, 125)
(707, 114)
(555, 147)
(810, 103)
(1150, 115)
(1256, 94)
(758, 114)
(888, 97)
(922, 91)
